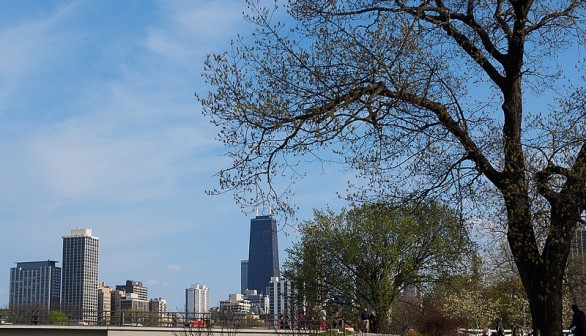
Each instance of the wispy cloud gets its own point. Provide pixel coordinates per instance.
(29, 48)
(173, 268)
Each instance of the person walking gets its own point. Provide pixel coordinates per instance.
(578, 326)
(365, 316)
(373, 322)
(322, 318)
(500, 329)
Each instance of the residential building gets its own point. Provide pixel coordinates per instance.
(235, 305)
(116, 298)
(132, 301)
(135, 287)
(259, 303)
(104, 304)
(158, 309)
(197, 299)
(158, 305)
(281, 299)
(35, 285)
(263, 253)
(79, 290)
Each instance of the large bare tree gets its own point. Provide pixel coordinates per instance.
(452, 98)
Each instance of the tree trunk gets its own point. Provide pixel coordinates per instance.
(544, 292)
(542, 274)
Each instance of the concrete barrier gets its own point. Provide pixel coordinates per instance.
(48, 330)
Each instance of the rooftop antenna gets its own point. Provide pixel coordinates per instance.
(257, 211)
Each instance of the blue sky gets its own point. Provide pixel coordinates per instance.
(99, 129)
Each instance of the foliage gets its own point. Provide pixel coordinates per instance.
(367, 256)
(446, 98)
(57, 317)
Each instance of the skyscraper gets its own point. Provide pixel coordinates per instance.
(197, 299)
(243, 276)
(263, 253)
(79, 296)
(280, 298)
(35, 285)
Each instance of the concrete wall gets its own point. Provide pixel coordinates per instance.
(44, 330)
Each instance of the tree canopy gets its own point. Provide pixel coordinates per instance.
(367, 256)
(463, 100)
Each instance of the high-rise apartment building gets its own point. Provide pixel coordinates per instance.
(263, 253)
(79, 290)
(281, 298)
(197, 299)
(135, 287)
(35, 285)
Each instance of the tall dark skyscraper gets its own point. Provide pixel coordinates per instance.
(263, 253)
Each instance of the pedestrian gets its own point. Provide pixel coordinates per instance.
(578, 326)
(286, 322)
(301, 324)
(322, 319)
(500, 330)
(373, 322)
(365, 316)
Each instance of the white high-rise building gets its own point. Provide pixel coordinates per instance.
(197, 299)
(280, 298)
(79, 289)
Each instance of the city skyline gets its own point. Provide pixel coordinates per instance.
(100, 128)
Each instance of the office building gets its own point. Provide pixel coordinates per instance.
(197, 299)
(35, 285)
(135, 287)
(79, 290)
(243, 276)
(263, 253)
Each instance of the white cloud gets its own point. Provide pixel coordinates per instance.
(30, 48)
(172, 268)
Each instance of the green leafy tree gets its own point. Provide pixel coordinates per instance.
(57, 317)
(367, 256)
(420, 97)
